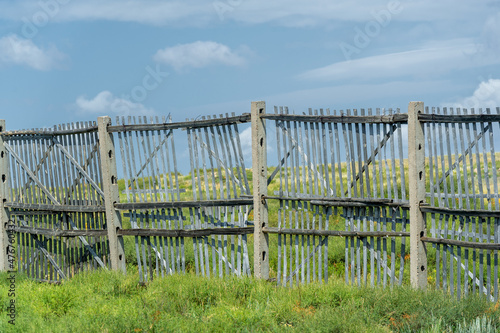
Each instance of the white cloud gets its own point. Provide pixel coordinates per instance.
(198, 54)
(324, 12)
(486, 95)
(490, 34)
(146, 12)
(20, 51)
(105, 103)
(429, 60)
(246, 144)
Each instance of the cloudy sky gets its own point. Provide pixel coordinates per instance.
(68, 60)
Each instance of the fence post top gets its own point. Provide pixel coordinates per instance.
(415, 103)
(104, 120)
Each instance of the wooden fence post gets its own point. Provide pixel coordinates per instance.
(416, 168)
(111, 194)
(259, 168)
(4, 213)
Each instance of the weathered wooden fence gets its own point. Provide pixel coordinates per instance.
(162, 215)
(352, 179)
(53, 195)
(463, 198)
(349, 165)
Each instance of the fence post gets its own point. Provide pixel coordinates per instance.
(416, 168)
(259, 169)
(111, 194)
(4, 213)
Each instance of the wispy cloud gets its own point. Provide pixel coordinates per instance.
(490, 35)
(486, 95)
(15, 50)
(105, 103)
(435, 58)
(321, 12)
(284, 12)
(198, 54)
(146, 12)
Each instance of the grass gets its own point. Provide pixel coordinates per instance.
(104, 301)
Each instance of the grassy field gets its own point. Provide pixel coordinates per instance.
(111, 302)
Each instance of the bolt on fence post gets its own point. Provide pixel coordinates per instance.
(4, 193)
(416, 168)
(111, 194)
(259, 169)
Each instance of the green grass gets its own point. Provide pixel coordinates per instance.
(110, 302)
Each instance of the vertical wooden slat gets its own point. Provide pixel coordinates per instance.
(434, 159)
(316, 256)
(287, 213)
(222, 248)
(459, 234)
(387, 194)
(306, 240)
(378, 211)
(371, 240)
(209, 181)
(295, 192)
(339, 165)
(404, 197)
(395, 196)
(467, 204)
(479, 224)
(301, 206)
(310, 190)
(196, 188)
(77, 151)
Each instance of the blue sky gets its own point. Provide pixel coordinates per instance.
(69, 60)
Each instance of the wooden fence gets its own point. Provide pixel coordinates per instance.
(463, 199)
(52, 192)
(349, 165)
(396, 191)
(211, 211)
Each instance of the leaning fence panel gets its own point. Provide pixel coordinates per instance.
(340, 174)
(464, 199)
(213, 196)
(56, 201)
(150, 174)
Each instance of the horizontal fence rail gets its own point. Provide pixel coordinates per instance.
(374, 196)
